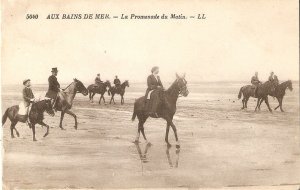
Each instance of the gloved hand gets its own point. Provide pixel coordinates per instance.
(32, 100)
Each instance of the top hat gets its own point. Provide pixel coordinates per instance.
(54, 70)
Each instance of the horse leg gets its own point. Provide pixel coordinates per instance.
(261, 101)
(167, 134)
(61, 119)
(100, 99)
(12, 127)
(143, 132)
(33, 132)
(17, 132)
(267, 102)
(112, 96)
(103, 98)
(175, 133)
(243, 100)
(122, 100)
(44, 124)
(246, 102)
(75, 117)
(258, 99)
(280, 104)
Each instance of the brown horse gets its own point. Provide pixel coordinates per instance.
(167, 108)
(101, 89)
(280, 92)
(65, 99)
(36, 116)
(247, 92)
(263, 90)
(121, 90)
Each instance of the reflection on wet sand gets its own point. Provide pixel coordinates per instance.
(143, 155)
(169, 157)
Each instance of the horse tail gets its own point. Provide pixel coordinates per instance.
(240, 93)
(4, 117)
(134, 112)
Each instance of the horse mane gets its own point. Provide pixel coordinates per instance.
(173, 87)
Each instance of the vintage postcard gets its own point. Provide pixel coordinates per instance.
(136, 94)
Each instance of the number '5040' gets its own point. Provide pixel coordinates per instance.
(32, 16)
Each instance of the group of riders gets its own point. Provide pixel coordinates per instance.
(255, 81)
(151, 105)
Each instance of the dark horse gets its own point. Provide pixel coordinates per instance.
(280, 92)
(36, 116)
(166, 111)
(101, 89)
(263, 90)
(121, 90)
(66, 97)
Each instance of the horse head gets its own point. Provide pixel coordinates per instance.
(107, 83)
(126, 83)
(290, 85)
(80, 87)
(182, 85)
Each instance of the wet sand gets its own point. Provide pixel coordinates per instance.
(221, 145)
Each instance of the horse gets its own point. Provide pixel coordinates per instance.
(263, 90)
(167, 108)
(65, 99)
(247, 92)
(36, 116)
(101, 89)
(121, 90)
(280, 92)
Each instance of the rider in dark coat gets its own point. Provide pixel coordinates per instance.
(154, 83)
(271, 79)
(54, 86)
(28, 97)
(98, 81)
(255, 81)
(117, 82)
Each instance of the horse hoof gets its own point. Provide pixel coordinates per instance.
(75, 127)
(149, 143)
(45, 135)
(169, 145)
(18, 134)
(34, 140)
(136, 142)
(177, 146)
(62, 128)
(12, 137)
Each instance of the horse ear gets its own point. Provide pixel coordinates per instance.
(177, 76)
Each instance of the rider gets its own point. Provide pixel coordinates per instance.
(154, 83)
(255, 81)
(54, 87)
(117, 82)
(271, 78)
(98, 81)
(28, 97)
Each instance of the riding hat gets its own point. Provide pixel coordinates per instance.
(25, 81)
(154, 69)
(54, 70)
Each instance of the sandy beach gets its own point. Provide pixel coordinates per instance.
(221, 145)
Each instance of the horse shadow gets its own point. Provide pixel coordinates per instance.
(143, 155)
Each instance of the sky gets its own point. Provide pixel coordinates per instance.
(236, 39)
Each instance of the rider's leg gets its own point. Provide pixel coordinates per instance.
(155, 101)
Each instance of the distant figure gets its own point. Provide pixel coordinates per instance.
(271, 79)
(98, 81)
(28, 98)
(154, 83)
(255, 82)
(54, 87)
(117, 82)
